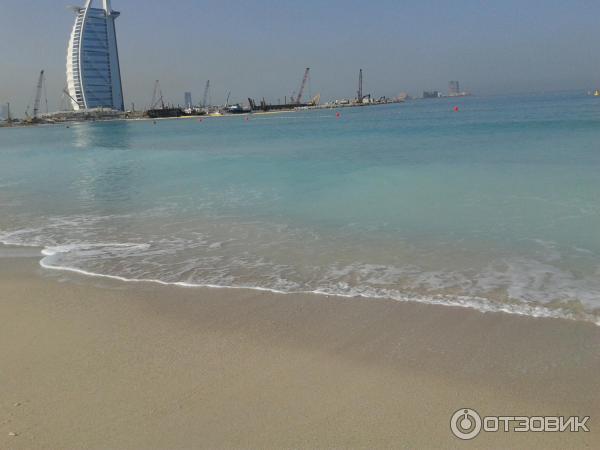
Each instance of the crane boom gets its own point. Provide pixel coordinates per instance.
(38, 95)
(66, 92)
(154, 93)
(302, 85)
(157, 96)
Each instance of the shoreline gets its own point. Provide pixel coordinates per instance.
(195, 117)
(96, 363)
(481, 305)
(143, 119)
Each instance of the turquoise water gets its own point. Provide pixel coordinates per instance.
(494, 207)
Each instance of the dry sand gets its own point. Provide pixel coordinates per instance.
(89, 363)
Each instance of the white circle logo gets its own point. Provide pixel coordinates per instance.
(465, 423)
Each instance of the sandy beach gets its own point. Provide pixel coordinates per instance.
(93, 363)
(389, 240)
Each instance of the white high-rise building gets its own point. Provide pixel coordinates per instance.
(93, 71)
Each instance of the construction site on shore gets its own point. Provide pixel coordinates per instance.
(159, 107)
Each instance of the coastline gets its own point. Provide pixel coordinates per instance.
(96, 363)
(141, 119)
(21, 124)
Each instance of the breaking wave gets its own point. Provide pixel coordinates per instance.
(514, 285)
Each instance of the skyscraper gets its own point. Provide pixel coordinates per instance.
(453, 88)
(93, 72)
(188, 100)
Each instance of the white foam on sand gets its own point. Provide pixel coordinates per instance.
(373, 281)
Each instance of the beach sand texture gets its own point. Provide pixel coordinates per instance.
(94, 363)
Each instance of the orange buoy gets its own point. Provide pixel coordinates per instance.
(456, 109)
(337, 114)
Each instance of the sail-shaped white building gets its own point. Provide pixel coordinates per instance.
(93, 71)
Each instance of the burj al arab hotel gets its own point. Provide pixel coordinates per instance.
(93, 72)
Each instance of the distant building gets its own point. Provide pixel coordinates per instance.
(188, 100)
(93, 71)
(431, 94)
(453, 88)
(3, 112)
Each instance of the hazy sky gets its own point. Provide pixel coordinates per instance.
(260, 48)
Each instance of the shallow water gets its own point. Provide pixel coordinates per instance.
(495, 206)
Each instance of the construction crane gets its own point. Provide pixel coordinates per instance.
(157, 96)
(37, 99)
(302, 86)
(45, 95)
(205, 96)
(315, 100)
(38, 96)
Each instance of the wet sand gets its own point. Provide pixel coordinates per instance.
(95, 363)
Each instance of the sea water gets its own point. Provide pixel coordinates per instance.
(495, 206)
